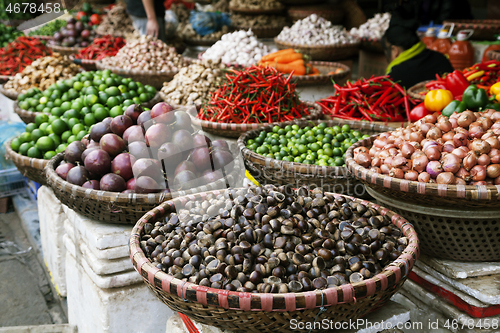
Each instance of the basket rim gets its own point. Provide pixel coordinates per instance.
(314, 113)
(476, 192)
(8, 93)
(257, 11)
(391, 274)
(24, 161)
(317, 47)
(301, 167)
(101, 66)
(307, 78)
(81, 61)
(413, 89)
(57, 48)
(265, 28)
(53, 179)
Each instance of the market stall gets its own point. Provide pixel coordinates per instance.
(266, 175)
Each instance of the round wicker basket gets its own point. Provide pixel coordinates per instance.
(230, 130)
(113, 207)
(324, 78)
(418, 91)
(334, 14)
(153, 78)
(8, 93)
(322, 52)
(249, 11)
(458, 233)
(63, 50)
(483, 29)
(264, 32)
(255, 312)
(371, 44)
(475, 196)
(29, 116)
(332, 179)
(31, 168)
(42, 37)
(88, 65)
(200, 41)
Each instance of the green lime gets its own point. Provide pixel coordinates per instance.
(150, 89)
(57, 111)
(55, 138)
(41, 118)
(45, 143)
(34, 152)
(72, 139)
(346, 128)
(23, 149)
(112, 101)
(59, 126)
(40, 107)
(65, 106)
(72, 122)
(110, 81)
(30, 127)
(66, 135)
(112, 91)
(81, 134)
(78, 86)
(44, 100)
(25, 137)
(132, 86)
(116, 111)
(136, 100)
(91, 100)
(72, 113)
(21, 97)
(37, 134)
(100, 114)
(24, 105)
(48, 155)
(77, 128)
(89, 119)
(77, 105)
(61, 148)
(15, 144)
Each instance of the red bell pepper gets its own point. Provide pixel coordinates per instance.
(456, 83)
(418, 112)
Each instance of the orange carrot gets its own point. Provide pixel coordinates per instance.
(288, 68)
(314, 71)
(272, 56)
(299, 62)
(288, 58)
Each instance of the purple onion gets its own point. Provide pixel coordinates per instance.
(434, 168)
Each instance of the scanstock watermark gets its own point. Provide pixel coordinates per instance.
(327, 324)
(40, 11)
(334, 181)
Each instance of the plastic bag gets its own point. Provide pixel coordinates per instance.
(205, 23)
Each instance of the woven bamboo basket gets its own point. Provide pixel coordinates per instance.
(371, 44)
(31, 168)
(322, 52)
(483, 29)
(230, 130)
(42, 37)
(458, 233)
(200, 41)
(4, 78)
(113, 207)
(88, 65)
(332, 179)
(264, 32)
(8, 93)
(29, 116)
(63, 50)
(153, 78)
(255, 312)
(475, 196)
(260, 11)
(324, 78)
(334, 14)
(416, 91)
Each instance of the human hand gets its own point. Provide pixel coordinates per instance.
(152, 27)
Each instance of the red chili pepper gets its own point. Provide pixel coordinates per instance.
(106, 46)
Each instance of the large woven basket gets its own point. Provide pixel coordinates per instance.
(8, 93)
(324, 78)
(475, 196)
(153, 78)
(261, 11)
(88, 65)
(334, 14)
(322, 52)
(458, 233)
(264, 32)
(200, 41)
(418, 91)
(230, 130)
(372, 44)
(255, 312)
(483, 29)
(113, 207)
(29, 116)
(31, 168)
(63, 50)
(332, 179)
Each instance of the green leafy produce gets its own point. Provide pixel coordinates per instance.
(68, 109)
(320, 145)
(49, 29)
(8, 34)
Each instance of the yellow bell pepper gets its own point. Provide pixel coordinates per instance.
(495, 89)
(437, 100)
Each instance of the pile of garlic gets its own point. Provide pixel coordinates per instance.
(373, 28)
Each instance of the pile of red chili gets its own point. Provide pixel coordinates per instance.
(17, 55)
(374, 99)
(254, 95)
(105, 46)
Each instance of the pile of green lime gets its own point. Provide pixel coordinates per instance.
(8, 34)
(68, 108)
(320, 145)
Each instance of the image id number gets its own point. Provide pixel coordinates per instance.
(31, 7)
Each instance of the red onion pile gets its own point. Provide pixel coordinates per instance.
(463, 150)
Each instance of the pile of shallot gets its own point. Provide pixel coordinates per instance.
(147, 53)
(463, 150)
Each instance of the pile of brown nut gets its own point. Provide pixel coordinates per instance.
(42, 73)
(257, 21)
(273, 239)
(193, 84)
(255, 4)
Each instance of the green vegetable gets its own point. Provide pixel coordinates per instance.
(475, 98)
(454, 106)
(49, 29)
(494, 106)
(320, 145)
(8, 34)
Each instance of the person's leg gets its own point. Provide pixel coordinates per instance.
(140, 24)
